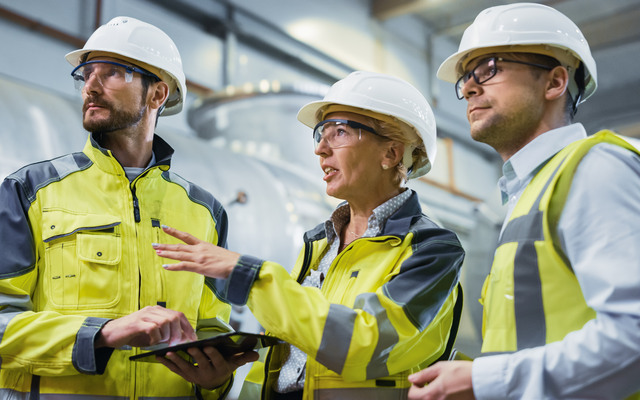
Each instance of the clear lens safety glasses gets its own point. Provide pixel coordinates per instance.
(339, 132)
(110, 74)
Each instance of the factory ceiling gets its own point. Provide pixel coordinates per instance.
(611, 27)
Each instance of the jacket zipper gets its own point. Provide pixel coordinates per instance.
(308, 249)
(305, 267)
(136, 205)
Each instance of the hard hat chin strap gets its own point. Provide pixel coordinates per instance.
(579, 82)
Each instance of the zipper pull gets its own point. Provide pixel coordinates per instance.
(136, 205)
(136, 209)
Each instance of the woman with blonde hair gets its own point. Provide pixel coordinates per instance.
(372, 297)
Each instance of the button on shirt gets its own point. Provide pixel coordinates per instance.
(599, 231)
(291, 376)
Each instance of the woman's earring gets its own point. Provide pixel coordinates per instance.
(385, 166)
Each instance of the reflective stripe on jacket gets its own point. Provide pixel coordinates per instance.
(532, 297)
(385, 309)
(76, 238)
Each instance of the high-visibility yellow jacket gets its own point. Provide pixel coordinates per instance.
(532, 297)
(75, 239)
(385, 309)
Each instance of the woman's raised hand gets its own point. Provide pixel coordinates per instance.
(196, 255)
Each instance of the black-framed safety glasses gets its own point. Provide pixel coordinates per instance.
(487, 69)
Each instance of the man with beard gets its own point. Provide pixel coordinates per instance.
(561, 316)
(81, 289)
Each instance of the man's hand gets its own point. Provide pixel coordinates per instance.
(210, 369)
(146, 327)
(449, 380)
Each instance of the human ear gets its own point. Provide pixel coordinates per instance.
(393, 154)
(557, 83)
(157, 94)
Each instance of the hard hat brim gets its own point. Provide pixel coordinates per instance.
(307, 114)
(447, 70)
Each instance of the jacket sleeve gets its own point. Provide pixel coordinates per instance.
(403, 323)
(42, 343)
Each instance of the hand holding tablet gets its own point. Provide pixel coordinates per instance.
(227, 344)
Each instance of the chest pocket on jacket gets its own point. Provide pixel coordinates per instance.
(82, 259)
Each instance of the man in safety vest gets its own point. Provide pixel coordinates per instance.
(81, 289)
(562, 302)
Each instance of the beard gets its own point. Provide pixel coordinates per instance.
(119, 118)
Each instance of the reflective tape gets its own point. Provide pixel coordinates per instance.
(526, 230)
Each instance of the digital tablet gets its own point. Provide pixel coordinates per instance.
(227, 344)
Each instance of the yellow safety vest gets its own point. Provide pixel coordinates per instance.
(532, 296)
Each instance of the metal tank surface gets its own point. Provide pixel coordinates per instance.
(268, 167)
(260, 121)
(36, 125)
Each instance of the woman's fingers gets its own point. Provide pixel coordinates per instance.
(196, 256)
(184, 236)
(187, 266)
(179, 248)
(180, 255)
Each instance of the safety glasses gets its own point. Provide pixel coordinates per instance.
(339, 132)
(487, 69)
(110, 74)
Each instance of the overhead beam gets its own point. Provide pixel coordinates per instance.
(262, 35)
(37, 26)
(385, 9)
(75, 41)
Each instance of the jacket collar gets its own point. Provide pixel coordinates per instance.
(105, 160)
(398, 224)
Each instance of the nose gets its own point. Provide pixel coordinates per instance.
(92, 84)
(322, 148)
(470, 88)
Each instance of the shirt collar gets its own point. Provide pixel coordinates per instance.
(340, 216)
(133, 172)
(527, 161)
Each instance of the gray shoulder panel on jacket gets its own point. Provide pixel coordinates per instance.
(196, 194)
(34, 177)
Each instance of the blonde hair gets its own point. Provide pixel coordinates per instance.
(393, 132)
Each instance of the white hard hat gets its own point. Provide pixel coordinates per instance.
(142, 44)
(529, 28)
(384, 95)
